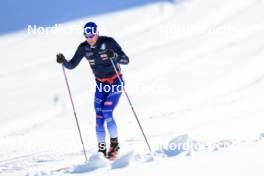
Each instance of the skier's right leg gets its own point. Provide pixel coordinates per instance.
(99, 99)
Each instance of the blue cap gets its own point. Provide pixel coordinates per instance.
(90, 29)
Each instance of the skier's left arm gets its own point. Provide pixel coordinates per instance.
(121, 57)
(76, 59)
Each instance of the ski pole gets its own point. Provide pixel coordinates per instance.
(74, 112)
(131, 106)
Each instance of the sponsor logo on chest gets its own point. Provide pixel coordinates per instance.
(103, 46)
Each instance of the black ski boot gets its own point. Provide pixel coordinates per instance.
(114, 148)
(102, 148)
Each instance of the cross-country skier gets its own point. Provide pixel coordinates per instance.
(98, 50)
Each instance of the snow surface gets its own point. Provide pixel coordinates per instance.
(196, 78)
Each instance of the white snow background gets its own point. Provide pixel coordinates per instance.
(196, 79)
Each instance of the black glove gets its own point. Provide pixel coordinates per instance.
(60, 58)
(111, 54)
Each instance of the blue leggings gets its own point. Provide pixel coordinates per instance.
(105, 101)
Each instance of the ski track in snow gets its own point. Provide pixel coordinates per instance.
(185, 147)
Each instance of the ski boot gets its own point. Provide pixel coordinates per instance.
(114, 148)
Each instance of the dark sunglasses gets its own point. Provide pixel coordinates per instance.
(89, 36)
